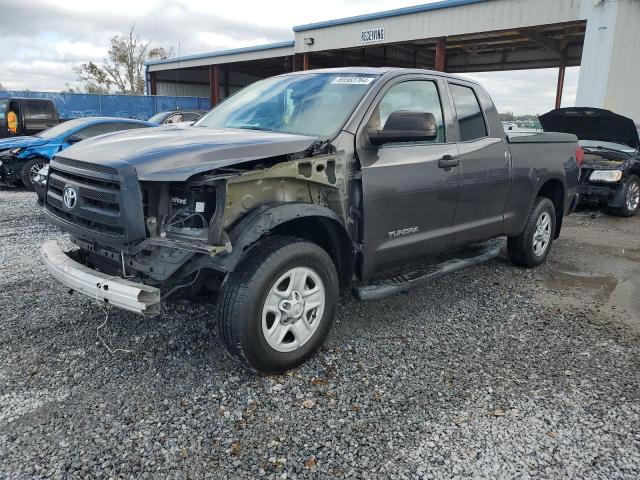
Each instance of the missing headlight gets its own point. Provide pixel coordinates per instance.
(191, 207)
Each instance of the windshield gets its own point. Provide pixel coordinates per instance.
(621, 147)
(61, 129)
(315, 104)
(159, 117)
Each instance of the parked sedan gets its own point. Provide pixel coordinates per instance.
(21, 158)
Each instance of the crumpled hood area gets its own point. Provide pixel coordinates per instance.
(21, 142)
(176, 153)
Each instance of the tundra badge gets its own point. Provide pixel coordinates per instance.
(402, 232)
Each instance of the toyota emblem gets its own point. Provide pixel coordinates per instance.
(70, 197)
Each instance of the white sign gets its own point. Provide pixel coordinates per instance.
(354, 80)
(372, 35)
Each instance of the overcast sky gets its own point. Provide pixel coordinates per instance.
(43, 40)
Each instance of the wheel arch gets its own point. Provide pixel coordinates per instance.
(311, 222)
(554, 189)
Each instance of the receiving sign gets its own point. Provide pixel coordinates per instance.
(372, 35)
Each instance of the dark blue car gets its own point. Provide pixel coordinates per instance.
(21, 158)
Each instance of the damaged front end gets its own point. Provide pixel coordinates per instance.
(168, 234)
(602, 176)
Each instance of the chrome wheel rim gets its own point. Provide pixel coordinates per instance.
(542, 235)
(293, 309)
(33, 171)
(633, 196)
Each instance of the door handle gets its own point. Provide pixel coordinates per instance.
(447, 161)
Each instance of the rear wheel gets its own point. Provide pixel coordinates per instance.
(278, 305)
(30, 170)
(631, 199)
(531, 247)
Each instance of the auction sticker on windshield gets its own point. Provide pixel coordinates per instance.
(354, 80)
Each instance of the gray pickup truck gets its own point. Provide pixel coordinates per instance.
(298, 187)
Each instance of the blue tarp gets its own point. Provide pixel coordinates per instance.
(76, 105)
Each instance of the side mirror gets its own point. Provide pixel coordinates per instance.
(405, 126)
(74, 139)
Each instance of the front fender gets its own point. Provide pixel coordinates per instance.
(258, 222)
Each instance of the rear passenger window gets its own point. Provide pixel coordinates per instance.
(470, 119)
(38, 110)
(190, 116)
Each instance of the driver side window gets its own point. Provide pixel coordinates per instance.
(413, 96)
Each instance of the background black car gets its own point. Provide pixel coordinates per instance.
(610, 173)
(33, 115)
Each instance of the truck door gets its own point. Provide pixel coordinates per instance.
(410, 189)
(485, 172)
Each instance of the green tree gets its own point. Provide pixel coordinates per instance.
(123, 69)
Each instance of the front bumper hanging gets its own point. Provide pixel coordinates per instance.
(116, 291)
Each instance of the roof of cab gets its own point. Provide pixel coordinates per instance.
(381, 71)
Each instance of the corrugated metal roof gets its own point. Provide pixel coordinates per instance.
(221, 53)
(386, 14)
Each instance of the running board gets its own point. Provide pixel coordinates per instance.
(404, 281)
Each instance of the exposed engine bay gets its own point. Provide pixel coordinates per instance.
(183, 220)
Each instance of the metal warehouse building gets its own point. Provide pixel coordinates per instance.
(602, 36)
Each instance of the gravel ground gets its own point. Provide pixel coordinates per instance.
(487, 373)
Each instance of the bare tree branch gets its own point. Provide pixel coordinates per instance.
(123, 69)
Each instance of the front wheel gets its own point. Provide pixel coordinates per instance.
(30, 171)
(277, 307)
(531, 247)
(631, 199)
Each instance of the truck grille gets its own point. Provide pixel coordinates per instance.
(98, 203)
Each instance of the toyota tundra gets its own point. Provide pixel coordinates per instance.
(299, 187)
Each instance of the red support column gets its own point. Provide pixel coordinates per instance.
(154, 83)
(561, 71)
(560, 86)
(214, 84)
(305, 61)
(441, 55)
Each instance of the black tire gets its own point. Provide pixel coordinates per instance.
(633, 182)
(521, 247)
(26, 173)
(241, 302)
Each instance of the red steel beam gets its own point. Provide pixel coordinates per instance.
(154, 83)
(214, 84)
(441, 55)
(560, 86)
(561, 71)
(305, 61)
